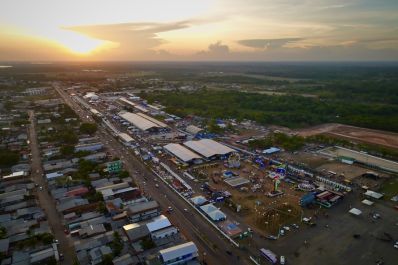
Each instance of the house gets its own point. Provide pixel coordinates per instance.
(4, 245)
(40, 257)
(142, 211)
(77, 192)
(92, 230)
(89, 147)
(126, 259)
(97, 254)
(53, 165)
(72, 204)
(135, 232)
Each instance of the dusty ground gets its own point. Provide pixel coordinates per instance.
(388, 139)
(247, 199)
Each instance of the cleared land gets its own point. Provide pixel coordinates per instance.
(383, 138)
(362, 158)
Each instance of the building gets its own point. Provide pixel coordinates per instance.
(135, 232)
(53, 165)
(182, 153)
(91, 96)
(141, 122)
(271, 150)
(213, 212)
(179, 254)
(209, 148)
(126, 139)
(192, 129)
(89, 147)
(160, 227)
(143, 211)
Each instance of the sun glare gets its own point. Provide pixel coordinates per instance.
(79, 44)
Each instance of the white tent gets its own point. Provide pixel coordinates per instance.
(373, 194)
(367, 202)
(355, 211)
(198, 200)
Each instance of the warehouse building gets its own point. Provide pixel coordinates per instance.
(179, 254)
(209, 148)
(161, 124)
(182, 153)
(126, 139)
(141, 122)
(127, 102)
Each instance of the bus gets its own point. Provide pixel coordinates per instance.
(269, 255)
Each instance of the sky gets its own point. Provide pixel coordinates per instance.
(199, 30)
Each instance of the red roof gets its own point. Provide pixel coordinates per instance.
(77, 192)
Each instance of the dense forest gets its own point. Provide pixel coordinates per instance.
(287, 110)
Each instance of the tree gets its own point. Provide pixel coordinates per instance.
(8, 158)
(88, 128)
(107, 259)
(116, 244)
(3, 232)
(147, 243)
(102, 208)
(67, 150)
(124, 174)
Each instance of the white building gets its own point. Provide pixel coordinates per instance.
(179, 254)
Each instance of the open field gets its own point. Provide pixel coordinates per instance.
(388, 139)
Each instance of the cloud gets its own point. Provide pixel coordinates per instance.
(218, 48)
(215, 50)
(133, 39)
(267, 43)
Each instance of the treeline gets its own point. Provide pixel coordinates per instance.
(288, 110)
(289, 143)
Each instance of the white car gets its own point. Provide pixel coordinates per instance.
(282, 260)
(286, 228)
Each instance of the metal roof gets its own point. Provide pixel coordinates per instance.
(158, 223)
(161, 124)
(127, 101)
(125, 137)
(181, 152)
(178, 251)
(208, 147)
(208, 208)
(138, 121)
(217, 215)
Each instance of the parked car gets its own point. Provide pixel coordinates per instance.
(282, 260)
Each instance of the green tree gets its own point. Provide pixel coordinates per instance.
(88, 128)
(116, 244)
(3, 232)
(8, 158)
(67, 150)
(107, 260)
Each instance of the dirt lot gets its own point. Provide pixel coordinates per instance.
(388, 139)
(256, 206)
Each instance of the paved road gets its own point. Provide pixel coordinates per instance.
(45, 200)
(212, 247)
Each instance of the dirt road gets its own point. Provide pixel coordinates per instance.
(45, 200)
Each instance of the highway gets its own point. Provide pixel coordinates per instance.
(212, 246)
